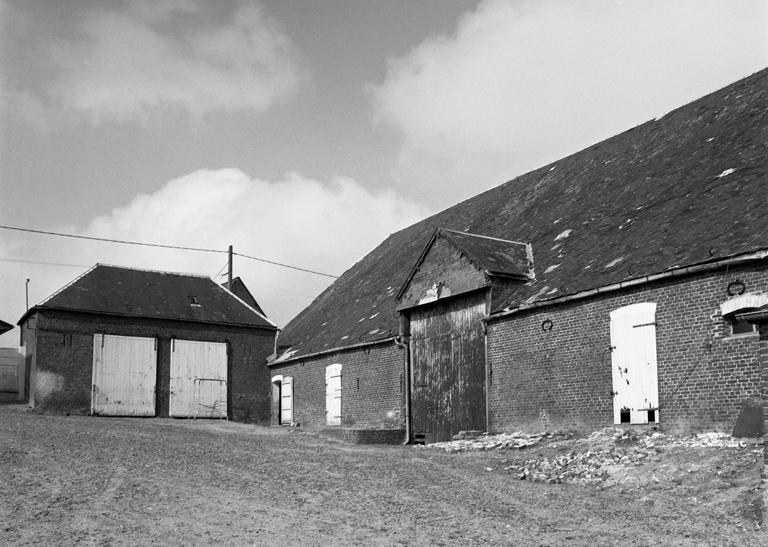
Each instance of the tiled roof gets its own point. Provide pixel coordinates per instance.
(688, 188)
(113, 290)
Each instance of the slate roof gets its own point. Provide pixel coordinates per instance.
(127, 292)
(5, 327)
(495, 256)
(241, 291)
(688, 188)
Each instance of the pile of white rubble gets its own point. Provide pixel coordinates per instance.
(606, 456)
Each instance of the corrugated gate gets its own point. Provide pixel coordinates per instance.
(448, 368)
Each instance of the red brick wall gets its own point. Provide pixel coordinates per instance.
(372, 385)
(443, 264)
(61, 349)
(704, 374)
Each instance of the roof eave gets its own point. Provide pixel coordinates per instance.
(741, 258)
(141, 316)
(334, 349)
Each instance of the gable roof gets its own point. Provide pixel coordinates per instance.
(241, 291)
(685, 189)
(5, 327)
(128, 292)
(493, 256)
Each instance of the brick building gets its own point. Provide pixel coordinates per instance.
(618, 285)
(126, 342)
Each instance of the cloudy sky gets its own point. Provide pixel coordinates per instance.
(306, 131)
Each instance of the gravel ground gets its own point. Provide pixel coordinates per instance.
(99, 481)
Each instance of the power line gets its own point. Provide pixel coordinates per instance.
(162, 246)
(107, 240)
(287, 266)
(22, 261)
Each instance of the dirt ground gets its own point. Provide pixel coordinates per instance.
(98, 481)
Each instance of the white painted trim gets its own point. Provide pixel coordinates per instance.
(277, 379)
(743, 301)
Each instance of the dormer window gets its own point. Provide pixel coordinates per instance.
(193, 302)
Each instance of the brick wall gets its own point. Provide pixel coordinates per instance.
(564, 375)
(443, 264)
(372, 387)
(59, 347)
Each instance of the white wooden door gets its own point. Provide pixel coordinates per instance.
(198, 379)
(286, 400)
(633, 360)
(333, 394)
(124, 375)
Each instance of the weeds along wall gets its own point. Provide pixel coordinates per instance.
(372, 387)
(59, 348)
(562, 377)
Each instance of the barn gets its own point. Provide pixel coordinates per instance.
(620, 285)
(127, 342)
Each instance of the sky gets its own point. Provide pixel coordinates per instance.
(303, 131)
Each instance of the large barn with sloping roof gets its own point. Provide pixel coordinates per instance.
(126, 342)
(604, 288)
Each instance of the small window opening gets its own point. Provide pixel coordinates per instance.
(624, 417)
(651, 416)
(193, 301)
(739, 326)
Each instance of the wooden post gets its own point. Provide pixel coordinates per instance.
(229, 272)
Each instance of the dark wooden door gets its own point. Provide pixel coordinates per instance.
(448, 367)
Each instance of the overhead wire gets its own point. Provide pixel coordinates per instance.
(164, 246)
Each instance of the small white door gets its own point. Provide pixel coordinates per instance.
(124, 375)
(633, 360)
(333, 395)
(286, 401)
(198, 379)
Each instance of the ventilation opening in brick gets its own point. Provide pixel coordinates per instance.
(419, 438)
(651, 416)
(624, 416)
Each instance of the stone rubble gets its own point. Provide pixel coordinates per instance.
(502, 441)
(606, 457)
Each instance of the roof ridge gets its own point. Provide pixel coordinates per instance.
(75, 280)
(130, 268)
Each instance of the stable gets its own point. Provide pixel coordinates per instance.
(127, 342)
(613, 286)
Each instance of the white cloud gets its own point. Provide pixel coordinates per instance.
(297, 221)
(522, 83)
(128, 60)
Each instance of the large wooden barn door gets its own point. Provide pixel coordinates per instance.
(633, 360)
(198, 379)
(448, 368)
(124, 373)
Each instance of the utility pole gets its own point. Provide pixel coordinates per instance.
(229, 272)
(26, 289)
